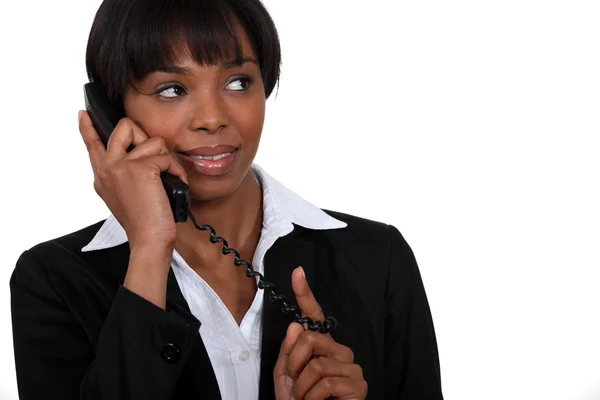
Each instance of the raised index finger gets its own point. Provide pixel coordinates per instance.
(306, 300)
(93, 143)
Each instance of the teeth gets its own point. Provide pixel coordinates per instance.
(217, 157)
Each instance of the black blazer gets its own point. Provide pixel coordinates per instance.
(79, 334)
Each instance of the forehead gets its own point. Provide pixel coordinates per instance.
(207, 53)
(207, 44)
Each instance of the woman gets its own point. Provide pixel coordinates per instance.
(139, 307)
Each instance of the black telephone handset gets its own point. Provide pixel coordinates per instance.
(105, 115)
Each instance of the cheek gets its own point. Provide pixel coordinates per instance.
(249, 121)
(155, 121)
(169, 127)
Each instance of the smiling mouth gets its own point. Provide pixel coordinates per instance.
(213, 158)
(222, 150)
(213, 161)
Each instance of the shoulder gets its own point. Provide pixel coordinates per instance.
(60, 257)
(365, 242)
(377, 246)
(366, 231)
(70, 243)
(356, 223)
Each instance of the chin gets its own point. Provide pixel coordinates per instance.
(212, 189)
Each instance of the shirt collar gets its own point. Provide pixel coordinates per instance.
(281, 209)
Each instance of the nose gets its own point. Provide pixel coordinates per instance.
(209, 113)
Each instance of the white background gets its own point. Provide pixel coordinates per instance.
(472, 126)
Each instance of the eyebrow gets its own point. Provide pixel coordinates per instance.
(238, 63)
(173, 69)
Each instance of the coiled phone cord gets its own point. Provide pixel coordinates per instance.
(97, 104)
(323, 327)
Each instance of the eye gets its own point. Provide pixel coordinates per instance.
(240, 84)
(171, 92)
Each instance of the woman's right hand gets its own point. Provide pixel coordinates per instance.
(130, 183)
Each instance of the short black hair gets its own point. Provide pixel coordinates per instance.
(131, 38)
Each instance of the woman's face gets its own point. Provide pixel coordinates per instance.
(211, 118)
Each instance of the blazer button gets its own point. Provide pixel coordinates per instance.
(170, 353)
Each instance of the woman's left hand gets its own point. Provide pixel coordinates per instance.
(311, 365)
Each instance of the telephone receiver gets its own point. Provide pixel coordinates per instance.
(105, 115)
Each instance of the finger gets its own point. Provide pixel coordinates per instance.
(313, 344)
(319, 368)
(125, 134)
(306, 300)
(165, 163)
(283, 383)
(93, 143)
(154, 146)
(339, 388)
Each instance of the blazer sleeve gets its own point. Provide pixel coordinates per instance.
(412, 365)
(140, 352)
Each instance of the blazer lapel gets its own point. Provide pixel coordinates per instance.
(281, 259)
(314, 252)
(198, 368)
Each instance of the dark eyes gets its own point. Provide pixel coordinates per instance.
(172, 92)
(238, 84)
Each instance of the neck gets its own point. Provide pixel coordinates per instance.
(236, 218)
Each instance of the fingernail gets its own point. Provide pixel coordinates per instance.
(302, 271)
(288, 330)
(289, 382)
(79, 115)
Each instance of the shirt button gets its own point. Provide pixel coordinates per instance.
(244, 355)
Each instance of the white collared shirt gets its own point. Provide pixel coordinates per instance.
(234, 351)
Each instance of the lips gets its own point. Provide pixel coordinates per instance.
(213, 161)
(210, 151)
